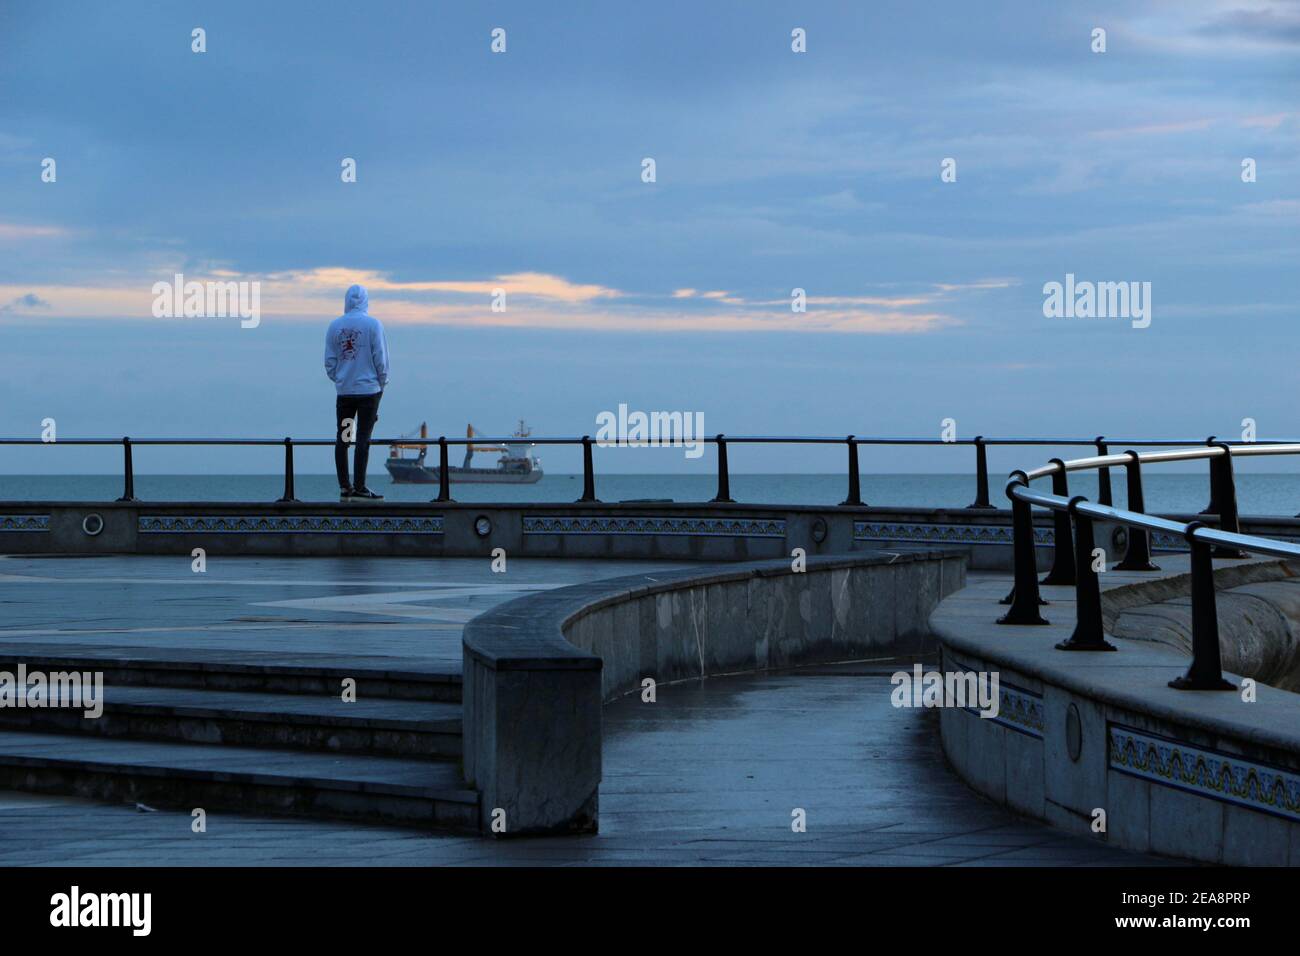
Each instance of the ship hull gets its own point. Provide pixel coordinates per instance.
(413, 473)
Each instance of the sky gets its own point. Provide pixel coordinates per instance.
(774, 170)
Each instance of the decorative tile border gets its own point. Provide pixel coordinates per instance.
(289, 524)
(931, 533)
(24, 523)
(685, 526)
(1019, 709)
(1228, 778)
(1163, 541)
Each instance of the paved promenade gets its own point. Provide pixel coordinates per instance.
(410, 609)
(707, 775)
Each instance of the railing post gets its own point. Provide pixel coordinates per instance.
(981, 475)
(724, 476)
(1137, 556)
(128, 472)
(1103, 475)
(855, 481)
(1024, 596)
(1062, 572)
(1213, 507)
(1206, 670)
(288, 470)
(1223, 488)
(1089, 631)
(588, 472)
(444, 478)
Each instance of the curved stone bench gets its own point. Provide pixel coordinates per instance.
(1202, 775)
(1259, 625)
(538, 669)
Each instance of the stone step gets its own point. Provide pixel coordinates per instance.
(259, 671)
(184, 776)
(290, 721)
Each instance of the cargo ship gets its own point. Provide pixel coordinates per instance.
(516, 466)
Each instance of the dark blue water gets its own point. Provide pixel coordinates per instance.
(1271, 494)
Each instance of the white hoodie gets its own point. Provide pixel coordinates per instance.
(356, 355)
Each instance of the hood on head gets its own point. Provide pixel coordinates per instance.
(356, 300)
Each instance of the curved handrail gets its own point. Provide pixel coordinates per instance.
(1075, 554)
(1196, 530)
(1018, 489)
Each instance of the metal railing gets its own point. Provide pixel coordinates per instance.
(1074, 544)
(852, 444)
(1073, 517)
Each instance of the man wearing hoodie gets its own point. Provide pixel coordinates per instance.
(356, 361)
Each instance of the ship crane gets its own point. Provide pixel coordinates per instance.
(393, 449)
(471, 432)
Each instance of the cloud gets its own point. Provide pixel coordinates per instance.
(978, 284)
(899, 303)
(533, 284)
(1154, 129)
(1267, 25)
(666, 320)
(846, 200)
(1214, 27)
(12, 231)
(1269, 121)
(1273, 207)
(533, 300)
(29, 301)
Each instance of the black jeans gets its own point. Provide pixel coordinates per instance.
(364, 412)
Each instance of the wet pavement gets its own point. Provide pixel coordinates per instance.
(406, 608)
(711, 773)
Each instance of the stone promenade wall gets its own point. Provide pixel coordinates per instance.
(538, 669)
(1100, 745)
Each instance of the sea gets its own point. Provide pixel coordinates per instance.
(1259, 494)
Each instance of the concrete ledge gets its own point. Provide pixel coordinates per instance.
(678, 531)
(1199, 775)
(547, 662)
